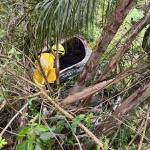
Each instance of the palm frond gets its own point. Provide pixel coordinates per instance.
(67, 17)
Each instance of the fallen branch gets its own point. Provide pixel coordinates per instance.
(93, 89)
(123, 49)
(13, 119)
(65, 113)
(28, 96)
(146, 122)
(108, 33)
(124, 110)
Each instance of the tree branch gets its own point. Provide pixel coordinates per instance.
(65, 113)
(13, 119)
(93, 89)
(107, 35)
(124, 110)
(122, 50)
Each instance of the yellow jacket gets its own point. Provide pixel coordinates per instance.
(47, 63)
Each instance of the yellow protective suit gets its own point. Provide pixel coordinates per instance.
(47, 63)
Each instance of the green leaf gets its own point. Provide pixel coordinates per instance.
(34, 119)
(53, 128)
(61, 122)
(22, 145)
(2, 142)
(1, 97)
(42, 127)
(81, 116)
(46, 136)
(2, 94)
(59, 128)
(74, 124)
(76, 121)
(59, 116)
(37, 147)
(2, 33)
(97, 147)
(67, 126)
(13, 52)
(88, 119)
(22, 132)
(63, 136)
(30, 144)
(105, 145)
(24, 115)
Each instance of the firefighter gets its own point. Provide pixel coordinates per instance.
(47, 61)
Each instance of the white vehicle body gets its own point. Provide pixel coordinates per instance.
(77, 54)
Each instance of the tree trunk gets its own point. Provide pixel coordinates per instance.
(108, 34)
(114, 61)
(141, 24)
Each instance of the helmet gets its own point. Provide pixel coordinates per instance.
(60, 48)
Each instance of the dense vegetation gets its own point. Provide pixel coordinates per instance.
(106, 110)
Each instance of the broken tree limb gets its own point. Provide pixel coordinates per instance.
(93, 89)
(112, 64)
(65, 113)
(124, 110)
(87, 91)
(106, 37)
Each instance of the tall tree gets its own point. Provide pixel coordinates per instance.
(107, 35)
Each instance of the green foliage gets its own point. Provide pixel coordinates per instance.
(88, 120)
(45, 136)
(76, 121)
(3, 93)
(40, 136)
(34, 135)
(2, 33)
(2, 142)
(69, 82)
(26, 145)
(75, 14)
(125, 135)
(105, 142)
(45, 22)
(13, 52)
(22, 132)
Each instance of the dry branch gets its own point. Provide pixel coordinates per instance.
(3, 104)
(107, 35)
(65, 113)
(141, 24)
(13, 119)
(56, 106)
(144, 130)
(93, 89)
(124, 110)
